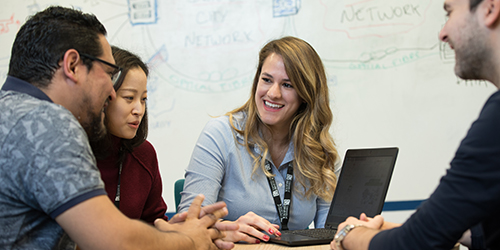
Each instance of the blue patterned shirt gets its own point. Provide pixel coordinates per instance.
(46, 167)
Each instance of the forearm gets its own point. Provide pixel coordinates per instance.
(143, 236)
(129, 234)
(97, 224)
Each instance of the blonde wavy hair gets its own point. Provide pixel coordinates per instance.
(315, 152)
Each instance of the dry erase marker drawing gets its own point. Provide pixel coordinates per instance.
(142, 11)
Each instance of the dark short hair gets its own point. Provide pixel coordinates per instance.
(42, 41)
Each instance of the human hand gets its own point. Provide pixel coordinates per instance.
(227, 228)
(385, 225)
(224, 227)
(371, 222)
(363, 235)
(200, 231)
(375, 222)
(180, 217)
(250, 227)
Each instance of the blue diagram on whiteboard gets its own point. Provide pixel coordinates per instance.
(285, 7)
(142, 11)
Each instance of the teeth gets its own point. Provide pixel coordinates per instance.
(274, 106)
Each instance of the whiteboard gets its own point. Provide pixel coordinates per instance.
(391, 80)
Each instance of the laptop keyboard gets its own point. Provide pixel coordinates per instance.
(320, 233)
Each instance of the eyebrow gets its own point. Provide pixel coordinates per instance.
(269, 75)
(132, 90)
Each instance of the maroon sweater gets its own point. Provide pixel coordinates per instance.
(141, 185)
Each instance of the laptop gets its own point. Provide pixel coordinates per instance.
(361, 188)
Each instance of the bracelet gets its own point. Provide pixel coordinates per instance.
(343, 233)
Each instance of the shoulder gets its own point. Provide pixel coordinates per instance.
(223, 123)
(219, 125)
(219, 122)
(50, 134)
(146, 148)
(145, 154)
(489, 114)
(19, 105)
(493, 101)
(38, 120)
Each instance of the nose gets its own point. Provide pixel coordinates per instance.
(112, 95)
(138, 108)
(274, 91)
(443, 36)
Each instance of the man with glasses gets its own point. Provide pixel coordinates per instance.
(114, 75)
(60, 79)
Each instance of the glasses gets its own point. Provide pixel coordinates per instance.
(115, 75)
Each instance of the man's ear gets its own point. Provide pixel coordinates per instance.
(492, 13)
(70, 62)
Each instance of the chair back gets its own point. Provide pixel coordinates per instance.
(178, 187)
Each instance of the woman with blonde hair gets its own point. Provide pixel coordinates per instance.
(273, 160)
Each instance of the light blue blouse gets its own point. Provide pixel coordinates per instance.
(221, 169)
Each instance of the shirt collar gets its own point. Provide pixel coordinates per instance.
(18, 85)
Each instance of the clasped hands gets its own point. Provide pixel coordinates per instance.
(201, 224)
(204, 224)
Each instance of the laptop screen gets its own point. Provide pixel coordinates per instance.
(362, 187)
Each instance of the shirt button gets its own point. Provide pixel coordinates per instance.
(280, 184)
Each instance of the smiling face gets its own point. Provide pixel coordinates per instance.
(465, 35)
(125, 113)
(276, 99)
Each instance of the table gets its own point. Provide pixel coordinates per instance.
(271, 246)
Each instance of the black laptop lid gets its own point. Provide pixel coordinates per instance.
(362, 185)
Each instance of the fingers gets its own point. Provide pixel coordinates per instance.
(227, 226)
(252, 235)
(224, 244)
(213, 212)
(333, 245)
(161, 225)
(237, 236)
(235, 231)
(195, 208)
(212, 208)
(232, 232)
(377, 222)
(180, 217)
(255, 221)
(211, 218)
(215, 233)
(363, 217)
(250, 229)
